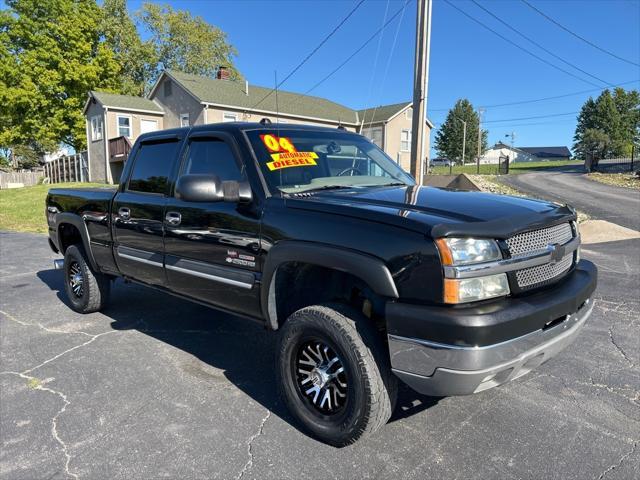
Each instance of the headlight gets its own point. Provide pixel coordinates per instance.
(474, 289)
(465, 251)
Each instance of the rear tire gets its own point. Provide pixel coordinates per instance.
(334, 374)
(87, 291)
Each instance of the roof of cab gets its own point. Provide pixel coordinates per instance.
(236, 126)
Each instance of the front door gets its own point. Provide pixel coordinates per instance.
(138, 211)
(212, 248)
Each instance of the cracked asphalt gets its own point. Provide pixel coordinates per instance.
(156, 387)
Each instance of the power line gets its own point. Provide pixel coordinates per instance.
(375, 34)
(518, 46)
(535, 100)
(386, 68)
(555, 22)
(375, 62)
(566, 62)
(531, 118)
(353, 10)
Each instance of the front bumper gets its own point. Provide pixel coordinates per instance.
(465, 364)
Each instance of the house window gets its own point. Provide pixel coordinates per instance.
(124, 125)
(184, 120)
(374, 134)
(229, 117)
(96, 128)
(167, 88)
(405, 141)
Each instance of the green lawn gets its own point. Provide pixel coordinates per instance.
(22, 209)
(520, 167)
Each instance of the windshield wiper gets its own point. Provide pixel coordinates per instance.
(327, 187)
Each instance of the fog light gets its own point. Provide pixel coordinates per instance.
(474, 289)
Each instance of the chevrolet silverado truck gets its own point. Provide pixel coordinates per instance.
(367, 277)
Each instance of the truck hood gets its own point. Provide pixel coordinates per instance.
(438, 212)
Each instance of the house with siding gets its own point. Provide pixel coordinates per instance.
(179, 99)
(524, 154)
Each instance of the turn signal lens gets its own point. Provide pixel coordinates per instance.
(474, 289)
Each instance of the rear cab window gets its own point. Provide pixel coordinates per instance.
(152, 167)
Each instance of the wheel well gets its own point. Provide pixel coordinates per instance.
(299, 285)
(68, 235)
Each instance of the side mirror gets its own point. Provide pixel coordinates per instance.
(237, 192)
(199, 188)
(208, 188)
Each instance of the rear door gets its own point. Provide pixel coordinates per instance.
(212, 248)
(138, 210)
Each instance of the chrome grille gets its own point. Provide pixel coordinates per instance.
(543, 274)
(537, 240)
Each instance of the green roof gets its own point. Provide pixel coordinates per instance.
(381, 113)
(232, 93)
(126, 102)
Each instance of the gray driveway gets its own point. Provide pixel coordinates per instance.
(155, 387)
(614, 204)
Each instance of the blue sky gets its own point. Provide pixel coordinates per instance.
(466, 59)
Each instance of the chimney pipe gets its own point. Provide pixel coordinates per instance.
(246, 87)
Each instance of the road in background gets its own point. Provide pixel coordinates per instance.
(615, 204)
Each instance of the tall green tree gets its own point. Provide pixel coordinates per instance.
(51, 54)
(616, 116)
(137, 59)
(186, 43)
(449, 137)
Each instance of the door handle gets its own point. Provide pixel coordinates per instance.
(173, 218)
(124, 213)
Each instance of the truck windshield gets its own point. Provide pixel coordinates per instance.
(296, 161)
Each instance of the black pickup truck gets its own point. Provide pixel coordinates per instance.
(367, 277)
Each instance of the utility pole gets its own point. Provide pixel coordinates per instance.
(464, 139)
(480, 112)
(420, 88)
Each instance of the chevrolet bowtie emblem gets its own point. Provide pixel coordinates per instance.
(557, 252)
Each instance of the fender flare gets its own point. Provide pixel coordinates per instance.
(78, 222)
(369, 269)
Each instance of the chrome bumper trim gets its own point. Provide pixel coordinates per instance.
(457, 370)
(552, 253)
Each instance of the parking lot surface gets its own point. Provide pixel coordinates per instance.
(156, 387)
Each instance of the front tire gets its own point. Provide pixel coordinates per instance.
(87, 291)
(334, 375)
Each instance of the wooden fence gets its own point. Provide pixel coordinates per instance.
(19, 179)
(72, 168)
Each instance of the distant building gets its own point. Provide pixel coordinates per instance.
(524, 154)
(178, 99)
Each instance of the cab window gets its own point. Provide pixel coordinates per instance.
(213, 157)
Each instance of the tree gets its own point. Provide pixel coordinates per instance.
(595, 142)
(137, 59)
(51, 54)
(616, 116)
(449, 137)
(186, 43)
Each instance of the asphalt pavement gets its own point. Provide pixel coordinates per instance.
(571, 185)
(156, 387)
